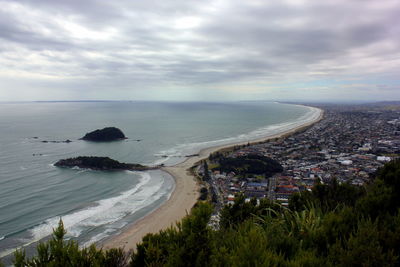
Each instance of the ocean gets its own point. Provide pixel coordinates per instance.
(93, 205)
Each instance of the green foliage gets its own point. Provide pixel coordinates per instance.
(334, 225)
(206, 176)
(215, 156)
(390, 174)
(250, 164)
(58, 252)
(383, 194)
(186, 245)
(240, 211)
(328, 197)
(246, 246)
(363, 248)
(378, 200)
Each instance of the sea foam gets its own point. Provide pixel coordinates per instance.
(103, 212)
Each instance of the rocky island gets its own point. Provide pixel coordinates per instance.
(100, 163)
(105, 135)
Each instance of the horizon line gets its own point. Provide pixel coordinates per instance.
(208, 101)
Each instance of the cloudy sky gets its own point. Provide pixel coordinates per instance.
(200, 50)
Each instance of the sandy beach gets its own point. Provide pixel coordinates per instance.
(185, 194)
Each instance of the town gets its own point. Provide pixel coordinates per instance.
(349, 144)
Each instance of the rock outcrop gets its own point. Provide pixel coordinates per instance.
(100, 163)
(105, 135)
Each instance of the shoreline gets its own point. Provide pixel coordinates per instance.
(186, 192)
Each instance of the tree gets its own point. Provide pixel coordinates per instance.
(58, 252)
(206, 175)
(327, 196)
(186, 245)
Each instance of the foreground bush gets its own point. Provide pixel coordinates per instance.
(58, 252)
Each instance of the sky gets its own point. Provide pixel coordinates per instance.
(184, 50)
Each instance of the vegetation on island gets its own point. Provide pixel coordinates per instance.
(104, 135)
(333, 225)
(99, 163)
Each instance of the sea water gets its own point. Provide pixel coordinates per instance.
(93, 205)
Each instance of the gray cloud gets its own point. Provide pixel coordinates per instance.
(209, 45)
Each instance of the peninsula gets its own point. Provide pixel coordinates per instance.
(105, 135)
(100, 163)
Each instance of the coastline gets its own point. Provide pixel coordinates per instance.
(186, 192)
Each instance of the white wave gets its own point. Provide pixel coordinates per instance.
(142, 199)
(2, 237)
(104, 211)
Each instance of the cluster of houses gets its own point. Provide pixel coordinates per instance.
(229, 185)
(348, 145)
